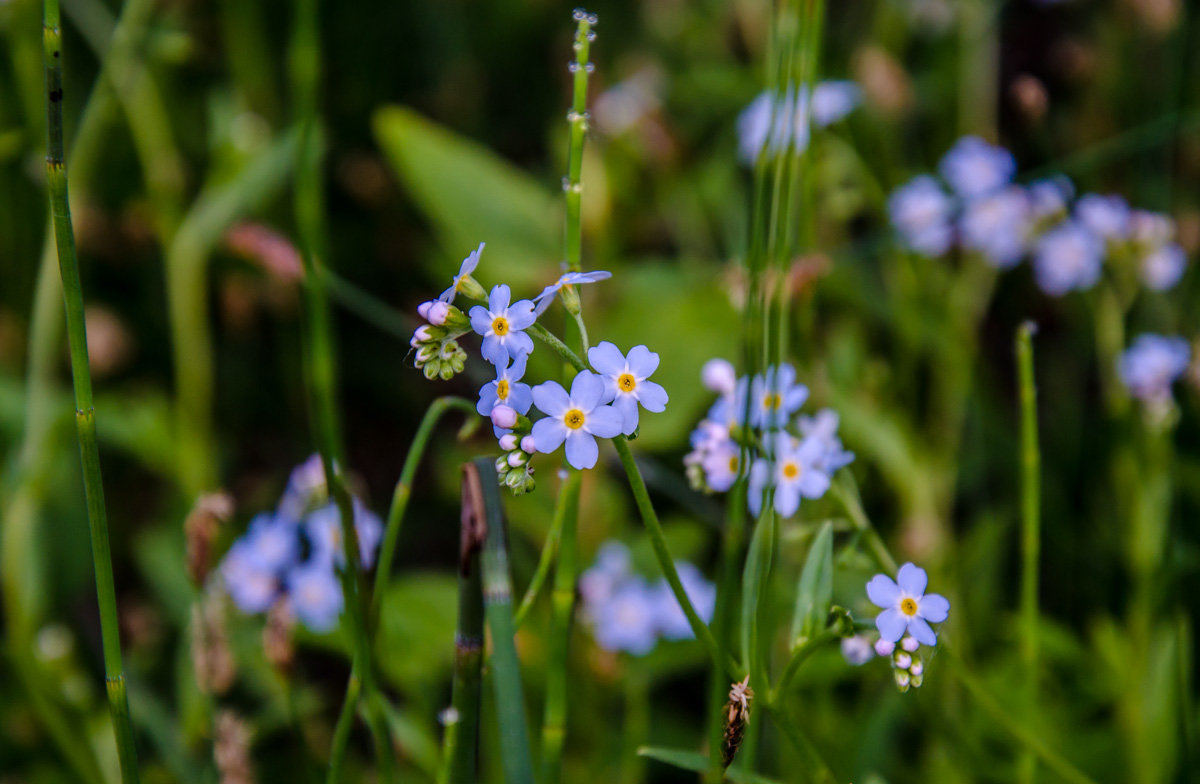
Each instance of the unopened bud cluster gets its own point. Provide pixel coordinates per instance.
(513, 468)
(438, 354)
(908, 668)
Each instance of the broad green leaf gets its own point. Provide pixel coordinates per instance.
(755, 579)
(690, 760)
(471, 195)
(816, 586)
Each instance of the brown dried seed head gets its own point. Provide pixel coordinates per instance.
(200, 530)
(737, 716)
(277, 636)
(231, 749)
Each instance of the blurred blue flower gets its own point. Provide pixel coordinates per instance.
(794, 472)
(997, 225)
(1106, 216)
(974, 168)
(672, 622)
(464, 271)
(1066, 258)
(1048, 198)
(857, 650)
(324, 530)
(627, 621)
(252, 587)
(502, 326)
(775, 396)
(1151, 365)
(545, 299)
(577, 418)
(305, 489)
(1163, 266)
(920, 212)
(626, 384)
(822, 428)
(833, 100)
(906, 606)
(315, 596)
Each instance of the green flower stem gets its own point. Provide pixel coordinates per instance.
(546, 560)
(460, 745)
(481, 500)
(403, 491)
(800, 654)
(85, 413)
(846, 493)
(560, 348)
(562, 598)
(650, 518)
(578, 119)
(304, 60)
(1030, 532)
(1018, 729)
(341, 731)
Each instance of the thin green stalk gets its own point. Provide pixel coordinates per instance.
(304, 59)
(650, 518)
(481, 500)
(560, 348)
(545, 561)
(846, 493)
(341, 730)
(1030, 533)
(732, 545)
(403, 491)
(577, 118)
(460, 745)
(562, 598)
(799, 656)
(636, 724)
(85, 413)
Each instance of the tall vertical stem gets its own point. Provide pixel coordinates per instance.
(304, 59)
(85, 412)
(1030, 533)
(578, 120)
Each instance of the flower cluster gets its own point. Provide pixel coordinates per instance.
(294, 552)
(904, 621)
(1151, 365)
(976, 206)
(627, 613)
(772, 121)
(603, 402)
(751, 416)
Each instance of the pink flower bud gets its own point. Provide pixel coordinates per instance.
(528, 445)
(903, 661)
(884, 647)
(422, 334)
(437, 312)
(909, 643)
(423, 308)
(719, 376)
(508, 442)
(504, 416)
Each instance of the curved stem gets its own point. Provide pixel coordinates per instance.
(1030, 532)
(551, 340)
(801, 654)
(650, 518)
(403, 491)
(545, 561)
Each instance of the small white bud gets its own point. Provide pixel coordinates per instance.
(423, 309)
(517, 459)
(903, 660)
(909, 643)
(423, 334)
(508, 442)
(917, 669)
(437, 312)
(504, 416)
(719, 376)
(528, 444)
(884, 647)
(902, 678)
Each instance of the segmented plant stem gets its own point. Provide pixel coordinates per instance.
(1030, 532)
(562, 599)
(577, 118)
(85, 412)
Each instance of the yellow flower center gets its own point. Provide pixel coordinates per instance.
(502, 389)
(500, 326)
(790, 470)
(908, 605)
(626, 382)
(771, 401)
(574, 419)
(733, 464)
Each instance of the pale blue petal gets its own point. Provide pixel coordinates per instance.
(934, 607)
(920, 630)
(787, 499)
(883, 591)
(548, 434)
(912, 579)
(494, 351)
(813, 483)
(627, 407)
(517, 371)
(499, 298)
(642, 361)
(471, 261)
(521, 314)
(487, 399)
(606, 358)
(605, 421)
(519, 345)
(582, 451)
(891, 625)
(587, 390)
(652, 396)
(520, 397)
(551, 398)
(481, 320)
